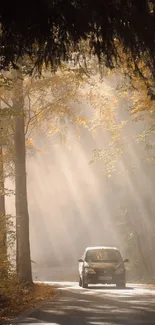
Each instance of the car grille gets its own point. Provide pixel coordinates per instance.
(102, 272)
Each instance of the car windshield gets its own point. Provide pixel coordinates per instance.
(103, 255)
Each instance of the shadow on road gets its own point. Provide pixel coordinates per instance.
(84, 308)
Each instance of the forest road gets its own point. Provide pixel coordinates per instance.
(96, 305)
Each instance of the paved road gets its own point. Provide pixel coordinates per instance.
(95, 306)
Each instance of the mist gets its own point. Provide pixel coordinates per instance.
(73, 204)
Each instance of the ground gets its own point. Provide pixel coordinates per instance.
(97, 305)
(16, 298)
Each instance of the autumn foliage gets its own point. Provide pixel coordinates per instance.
(16, 298)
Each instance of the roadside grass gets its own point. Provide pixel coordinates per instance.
(16, 298)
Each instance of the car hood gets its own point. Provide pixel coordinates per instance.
(107, 265)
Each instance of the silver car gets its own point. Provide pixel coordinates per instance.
(102, 265)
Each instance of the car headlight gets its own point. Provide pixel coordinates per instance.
(119, 270)
(90, 270)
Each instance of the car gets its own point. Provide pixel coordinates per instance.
(102, 265)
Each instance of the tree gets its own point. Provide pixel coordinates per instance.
(49, 31)
(29, 102)
(3, 221)
(22, 216)
(6, 229)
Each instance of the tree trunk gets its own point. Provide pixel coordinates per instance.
(22, 216)
(3, 225)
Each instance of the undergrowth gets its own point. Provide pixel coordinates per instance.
(15, 298)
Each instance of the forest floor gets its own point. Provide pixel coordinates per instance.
(16, 298)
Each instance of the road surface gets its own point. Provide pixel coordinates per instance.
(97, 305)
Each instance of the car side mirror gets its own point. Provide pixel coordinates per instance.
(80, 260)
(126, 260)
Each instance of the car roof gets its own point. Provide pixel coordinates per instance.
(100, 247)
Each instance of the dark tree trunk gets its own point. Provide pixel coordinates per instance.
(22, 215)
(3, 224)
